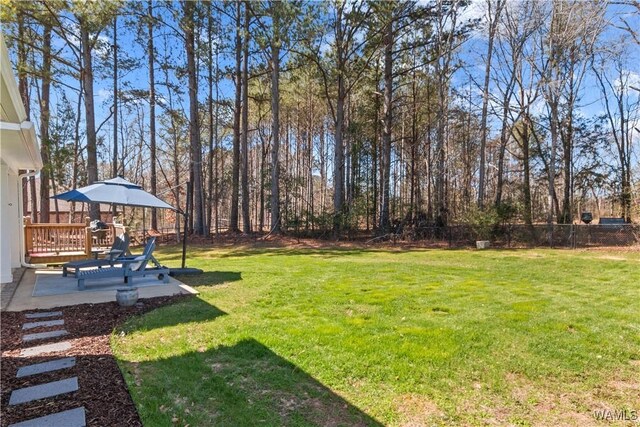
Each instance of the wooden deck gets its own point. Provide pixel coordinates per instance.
(60, 243)
(54, 258)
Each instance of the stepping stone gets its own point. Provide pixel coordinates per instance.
(45, 348)
(42, 391)
(40, 368)
(44, 335)
(43, 315)
(45, 323)
(70, 418)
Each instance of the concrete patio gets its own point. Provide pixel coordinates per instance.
(46, 288)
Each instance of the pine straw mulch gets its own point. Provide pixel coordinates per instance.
(102, 390)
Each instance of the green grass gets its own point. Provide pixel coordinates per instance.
(371, 337)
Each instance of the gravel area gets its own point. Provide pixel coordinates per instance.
(102, 390)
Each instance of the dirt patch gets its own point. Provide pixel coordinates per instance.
(613, 258)
(560, 405)
(102, 389)
(329, 413)
(416, 410)
(625, 249)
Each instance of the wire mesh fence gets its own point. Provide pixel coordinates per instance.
(538, 235)
(460, 236)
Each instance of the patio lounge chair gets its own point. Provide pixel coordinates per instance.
(134, 266)
(119, 249)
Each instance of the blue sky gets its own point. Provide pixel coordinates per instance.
(472, 53)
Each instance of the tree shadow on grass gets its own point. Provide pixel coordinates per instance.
(189, 310)
(320, 252)
(244, 384)
(170, 253)
(211, 278)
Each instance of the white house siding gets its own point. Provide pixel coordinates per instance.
(9, 258)
(18, 151)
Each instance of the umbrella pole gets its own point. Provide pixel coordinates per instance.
(186, 225)
(144, 226)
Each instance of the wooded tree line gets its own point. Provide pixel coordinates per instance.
(338, 115)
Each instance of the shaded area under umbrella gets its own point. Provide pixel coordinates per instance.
(119, 191)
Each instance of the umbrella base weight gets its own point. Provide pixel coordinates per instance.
(127, 297)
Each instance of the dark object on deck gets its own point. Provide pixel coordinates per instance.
(612, 221)
(97, 225)
(98, 229)
(185, 272)
(586, 217)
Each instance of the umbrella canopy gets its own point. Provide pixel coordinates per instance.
(116, 191)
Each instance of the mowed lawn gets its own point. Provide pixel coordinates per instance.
(390, 337)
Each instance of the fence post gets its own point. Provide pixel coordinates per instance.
(87, 241)
(28, 235)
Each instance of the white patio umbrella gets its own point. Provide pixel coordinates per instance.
(118, 191)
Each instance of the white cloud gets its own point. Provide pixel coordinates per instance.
(104, 94)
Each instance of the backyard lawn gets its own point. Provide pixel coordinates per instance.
(390, 337)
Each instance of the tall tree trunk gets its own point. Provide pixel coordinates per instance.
(375, 153)
(246, 214)
(493, 25)
(338, 152)
(338, 159)
(45, 144)
(152, 113)
(114, 161)
(415, 205)
(194, 128)
(501, 155)
(567, 148)
(210, 197)
(441, 201)
(89, 106)
(275, 127)
(526, 170)
(551, 169)
(385, 222)
(23, 87)
(235, 172)
(216, 189)
(76, 152)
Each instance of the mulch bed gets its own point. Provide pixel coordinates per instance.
(102, 390)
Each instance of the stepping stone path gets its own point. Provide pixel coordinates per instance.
(43, 315)
(44, 335)
(71, 418)
(41, 391)
(46, 348)
(43, 324)
(41, 368)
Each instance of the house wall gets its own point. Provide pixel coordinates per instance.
(18, 151)
(16, 216)
(9, 241)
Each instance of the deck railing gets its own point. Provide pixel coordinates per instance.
(65, 241)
